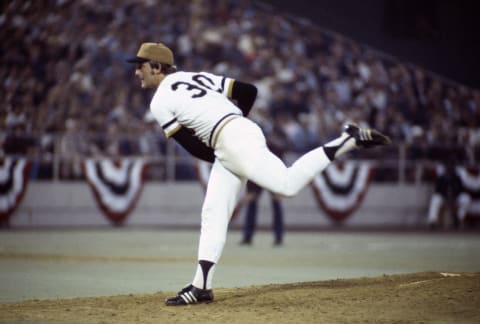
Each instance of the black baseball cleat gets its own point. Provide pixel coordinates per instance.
(190, 295)
(366, 137)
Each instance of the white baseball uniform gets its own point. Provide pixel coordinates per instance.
(200, 102)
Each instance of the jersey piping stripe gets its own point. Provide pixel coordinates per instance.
(230, 89)
(167, 127)
(212, 133)
(173, 131)
(222, 84)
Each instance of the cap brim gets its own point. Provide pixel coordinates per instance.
(137, 59)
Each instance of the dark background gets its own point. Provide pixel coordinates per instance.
(442, 36)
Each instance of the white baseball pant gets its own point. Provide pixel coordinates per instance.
(242, 153)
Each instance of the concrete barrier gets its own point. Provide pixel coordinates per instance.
(179, 204)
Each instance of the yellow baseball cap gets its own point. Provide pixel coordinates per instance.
(156, 52)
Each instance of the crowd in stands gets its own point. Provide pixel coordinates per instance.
(63, 71)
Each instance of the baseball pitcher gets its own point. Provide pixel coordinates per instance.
(197, 109)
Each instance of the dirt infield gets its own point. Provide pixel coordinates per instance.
(428, 297)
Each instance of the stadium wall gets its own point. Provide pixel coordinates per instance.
(173, 205)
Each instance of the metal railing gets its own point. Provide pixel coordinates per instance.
(169, 162)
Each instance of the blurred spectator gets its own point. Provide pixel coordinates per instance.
(73, 149)
(18, 141)
(66, 59)
(448, 197)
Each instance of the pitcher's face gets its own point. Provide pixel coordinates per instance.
(149, 77)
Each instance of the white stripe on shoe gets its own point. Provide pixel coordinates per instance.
(365, 134)
(185, 298)
(369, 134)
(194, 299)
(189, 298)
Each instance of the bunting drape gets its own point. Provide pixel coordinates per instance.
(13, 184)
(340, 189)
(116, 185)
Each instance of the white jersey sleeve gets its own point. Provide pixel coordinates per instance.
(198, 101)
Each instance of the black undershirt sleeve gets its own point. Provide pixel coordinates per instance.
(194, 145)
(244, 94)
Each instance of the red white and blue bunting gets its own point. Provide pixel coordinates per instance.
(341, 188)
(13, 184)
(116, 185)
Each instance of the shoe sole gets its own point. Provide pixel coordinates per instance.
(197, 303)
(368, 137)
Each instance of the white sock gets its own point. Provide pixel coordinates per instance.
(340, 145)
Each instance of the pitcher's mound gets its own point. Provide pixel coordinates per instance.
(419, 297)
